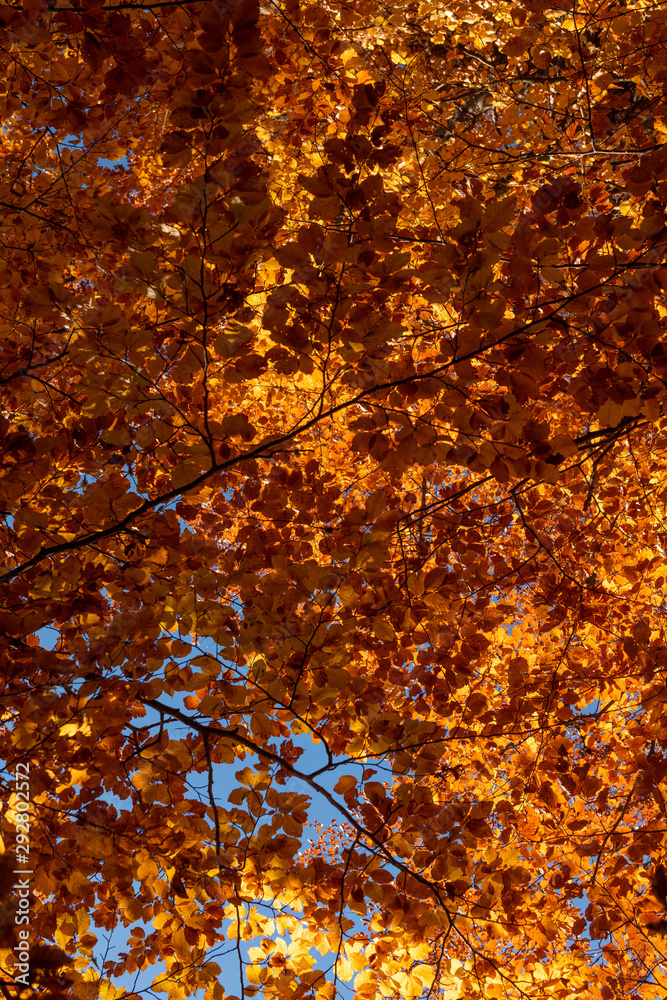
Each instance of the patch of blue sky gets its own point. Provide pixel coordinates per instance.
(49, 637)
(77, 142)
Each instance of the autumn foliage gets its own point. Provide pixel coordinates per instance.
(333, 483)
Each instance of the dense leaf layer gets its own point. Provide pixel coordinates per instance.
(332, 361)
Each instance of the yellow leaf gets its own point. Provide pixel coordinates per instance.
(348, 595)
(383, 629)
(425, 974)
(344, 969)
(254, 974)
(364, 978)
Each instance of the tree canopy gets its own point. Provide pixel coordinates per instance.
(333, 483)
